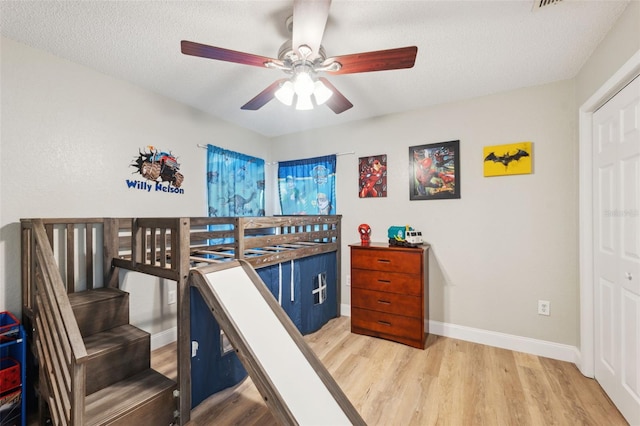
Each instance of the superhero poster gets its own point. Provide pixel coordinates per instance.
(434, 171)
(509, 159)
(373, 176)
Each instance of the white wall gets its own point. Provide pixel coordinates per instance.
(508, 241)
(68, 137)
(614, 50)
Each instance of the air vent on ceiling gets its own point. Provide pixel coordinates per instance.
(539, 4)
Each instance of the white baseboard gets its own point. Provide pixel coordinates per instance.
(163, 338)
(345, 310)
(528, 345)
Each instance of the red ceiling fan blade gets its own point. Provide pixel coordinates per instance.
(309, 20)
(263, 97)
(337, 102)
(212, 52)
(380, 60)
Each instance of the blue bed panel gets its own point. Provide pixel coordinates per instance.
(318, 290)
(277, 278)
(211, 371)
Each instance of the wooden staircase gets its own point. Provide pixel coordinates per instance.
(120, 386)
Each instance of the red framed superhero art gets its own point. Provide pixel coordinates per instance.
(372, 181)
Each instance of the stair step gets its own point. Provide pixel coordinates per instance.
(114, 355)
(100, 309)
(144, 399)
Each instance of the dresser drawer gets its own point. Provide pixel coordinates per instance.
(410, 306)
(391, 282)
(388, 325)
(408, 262)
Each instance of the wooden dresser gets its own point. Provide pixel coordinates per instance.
(389, 292)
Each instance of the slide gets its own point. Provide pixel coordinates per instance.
(293, 382)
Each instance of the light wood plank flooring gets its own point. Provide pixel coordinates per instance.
(451, 382)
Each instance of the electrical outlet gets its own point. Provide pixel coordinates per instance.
(173, 296)
(348, 280)
(544, 307)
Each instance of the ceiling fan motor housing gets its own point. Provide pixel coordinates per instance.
(290, 58)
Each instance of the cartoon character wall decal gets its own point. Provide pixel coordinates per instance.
(158, 166)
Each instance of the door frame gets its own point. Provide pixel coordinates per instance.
(631, 68)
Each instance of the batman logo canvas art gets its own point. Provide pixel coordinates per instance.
(506, 158)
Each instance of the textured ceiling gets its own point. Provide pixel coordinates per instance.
(465, 49)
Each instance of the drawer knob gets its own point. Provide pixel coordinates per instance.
(384, 323)
(384, 281)
(384, 261)
(384, 302)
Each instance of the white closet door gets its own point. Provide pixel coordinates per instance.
(616, 174)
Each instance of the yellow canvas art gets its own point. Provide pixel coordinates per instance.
(509, 159)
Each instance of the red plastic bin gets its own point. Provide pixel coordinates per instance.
(9, 326)
(9, 374)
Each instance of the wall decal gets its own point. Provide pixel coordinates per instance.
(373, 176)
(434, 171)
(160, 171)
(509, 159)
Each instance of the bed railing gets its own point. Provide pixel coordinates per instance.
(76, 246)
(145, 244)
(266, 241)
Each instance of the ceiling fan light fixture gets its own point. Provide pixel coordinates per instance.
(303, 84)
(321, 92)
(304, 103)
(285, 93)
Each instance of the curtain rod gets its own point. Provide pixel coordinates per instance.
(276, 162)
(337, 154)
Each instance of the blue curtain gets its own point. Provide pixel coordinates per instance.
(235, 183)
(308, 186)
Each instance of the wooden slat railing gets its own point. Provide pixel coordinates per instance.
(58, 342)
(72, 244)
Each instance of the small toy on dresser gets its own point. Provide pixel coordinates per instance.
(365, 234)
(404, 236)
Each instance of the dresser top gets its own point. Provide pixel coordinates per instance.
(375, 245)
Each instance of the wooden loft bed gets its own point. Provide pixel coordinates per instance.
(61, 257)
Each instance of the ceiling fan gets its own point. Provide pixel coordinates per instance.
(303, 57)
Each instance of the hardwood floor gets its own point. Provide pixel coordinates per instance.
(451, 382)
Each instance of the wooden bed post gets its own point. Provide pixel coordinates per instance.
(137, 256)
(339, 263)
(27, 269)
(180, 252)
(239, 224)
(111, 244)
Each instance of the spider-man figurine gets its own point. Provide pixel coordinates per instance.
(365, 234)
